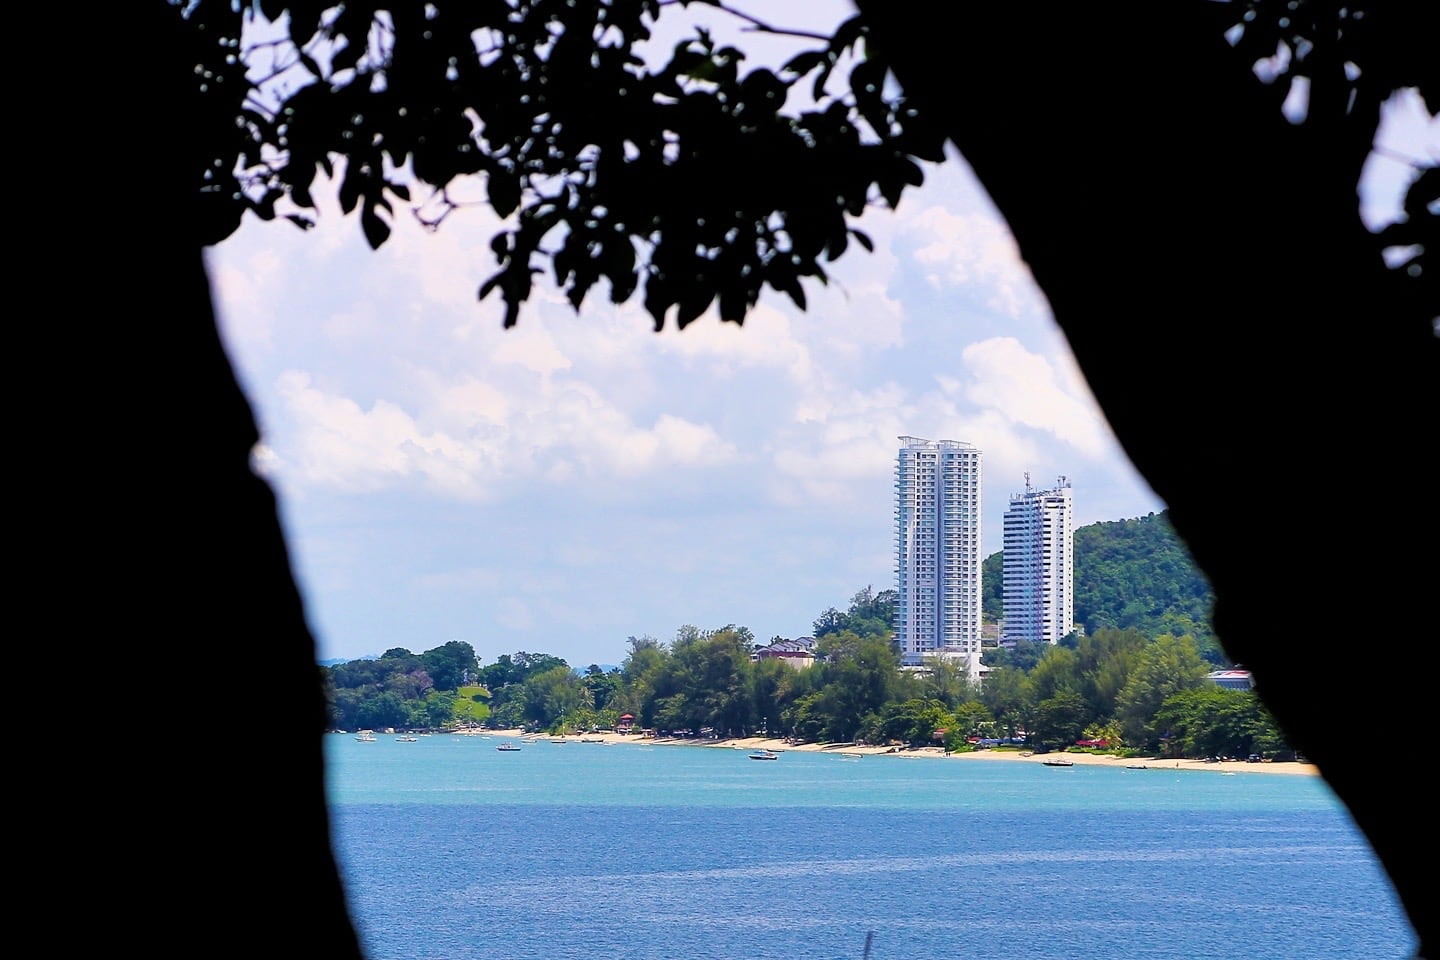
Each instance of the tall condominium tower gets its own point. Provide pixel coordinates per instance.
(937, 550)
(1039, 570)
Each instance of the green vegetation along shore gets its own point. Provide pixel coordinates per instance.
(1132, 682)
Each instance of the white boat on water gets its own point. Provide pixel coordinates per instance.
(507, 746)
(764, 755)
(407, 738)
(366, 736)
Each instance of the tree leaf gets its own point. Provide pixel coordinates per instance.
(803, 63)
(376, 229)
(349, 192)
(503, 189)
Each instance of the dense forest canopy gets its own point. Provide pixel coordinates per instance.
(1129, 574)
(1124, 691)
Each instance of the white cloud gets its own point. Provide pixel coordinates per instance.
(1027, 389)
(514, 614)
(532, 348)
(343, 446)
(446, 476)
(766, 340)
(972, 249)
(247, 282)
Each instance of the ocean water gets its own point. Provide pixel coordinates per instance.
(452, 850)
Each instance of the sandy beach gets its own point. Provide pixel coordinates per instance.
(933, 753)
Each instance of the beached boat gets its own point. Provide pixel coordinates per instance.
(1058, 762)
(764, 755)
(507, 746)
(1136, 766)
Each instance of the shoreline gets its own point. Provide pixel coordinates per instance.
(778, 745)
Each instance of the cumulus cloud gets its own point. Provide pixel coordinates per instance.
(340, 445)
(706, 463)
(767, 340)
(558, 430)
(972, 249)
(1027, 389)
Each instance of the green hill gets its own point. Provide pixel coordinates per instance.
(1130, 574)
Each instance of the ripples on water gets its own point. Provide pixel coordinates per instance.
(453, 851)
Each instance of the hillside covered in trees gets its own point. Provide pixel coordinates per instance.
(1129, 574)
(1137, 574)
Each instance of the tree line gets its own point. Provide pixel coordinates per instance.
(1138, 693)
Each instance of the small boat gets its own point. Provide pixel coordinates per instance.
(507, 746)
(764, 755)
(1136, 766)
(1058, 762)
(407, 738)
(366, 736)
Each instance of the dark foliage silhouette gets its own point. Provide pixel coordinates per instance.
(1202, 254)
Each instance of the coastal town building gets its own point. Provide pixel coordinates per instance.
(1236, 679)
(1039, 564)
(937, 550)
(798, 653)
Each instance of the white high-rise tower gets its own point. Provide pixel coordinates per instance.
(937, 550)
(1039, 569)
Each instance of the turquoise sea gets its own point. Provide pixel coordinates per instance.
(453, 850)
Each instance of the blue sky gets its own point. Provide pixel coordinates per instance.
(576, 480)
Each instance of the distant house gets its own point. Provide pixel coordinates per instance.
(798, 653)
(1232, 679)
(968, 662)
(625, 724)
